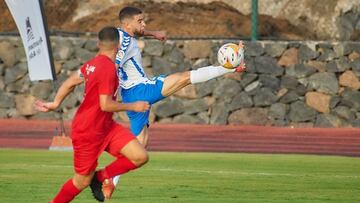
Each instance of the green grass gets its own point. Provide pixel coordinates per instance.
(36, 176)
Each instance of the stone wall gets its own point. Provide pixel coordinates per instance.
(286, 83)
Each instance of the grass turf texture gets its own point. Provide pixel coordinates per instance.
(36, 176)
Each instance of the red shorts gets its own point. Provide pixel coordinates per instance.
(87, 150)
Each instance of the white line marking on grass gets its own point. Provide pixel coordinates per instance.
(241, 173)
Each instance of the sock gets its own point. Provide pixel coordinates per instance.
(67, 193)
(118, 167)
(116, 180)
(208, 73)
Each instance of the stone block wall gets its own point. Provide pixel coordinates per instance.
(311, 84)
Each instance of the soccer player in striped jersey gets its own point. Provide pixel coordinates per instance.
(134, 85)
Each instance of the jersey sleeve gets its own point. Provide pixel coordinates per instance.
(124, 41)
(107, 80)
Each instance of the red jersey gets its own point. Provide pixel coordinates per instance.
(100, 79)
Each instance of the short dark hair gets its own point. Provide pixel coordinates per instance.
(109, 34)
(129, 12)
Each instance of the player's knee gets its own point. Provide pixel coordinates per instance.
(141, 159)
(82, 182)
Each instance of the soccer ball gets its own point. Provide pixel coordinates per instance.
(230, 55)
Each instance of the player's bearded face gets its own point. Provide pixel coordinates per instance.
(138, 24)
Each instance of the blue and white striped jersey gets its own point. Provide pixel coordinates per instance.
(128, 58)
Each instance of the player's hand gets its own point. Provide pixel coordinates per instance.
(44, 106)
(241, 44)
(159, 35)
(140, 106)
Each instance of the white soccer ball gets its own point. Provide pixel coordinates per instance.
(230, 55)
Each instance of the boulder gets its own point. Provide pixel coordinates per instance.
(197, 49)
(324, 82)
(249, 116)
(289, 57)
(300, 112)
(25, 105)
(318, 101)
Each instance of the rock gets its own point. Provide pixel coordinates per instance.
(199, 63)
(289, 97)
(187, 119)
(91, 45)
(264, 97)
(300, 112)
(354, 55)
(83, 54)
(169, 107)
(267, 65)
(306, 54)
(226, 89)
(253, 86)
(25, 105)
(355, 66)
(73, 64)
(63, 51)
(15, 73)
(154, 47)
(254, 48)
(344, 113)
(351, 98)
(275, 49)
(176, 56)
(335, 99)
(3, 113)
(301, 71)
(289, 57)
(250, 64)
(205, 88)
(7, 53)
(161, 66)
(301, 90)
(219, 114)
(69, 114)
(195, 106)
(7, 100)
(340, 65)
(204, 117)
(326, 54)
(328, 121)
(247, 78)
(242, 100)
(188, 92)
(146, 61)
(278, 111)
(349, 79)
(270, 82)
(318, 65)
(318, 101)
(249, 116)
(42, 90)
(197, 49)
(324, 82)
(289, 82)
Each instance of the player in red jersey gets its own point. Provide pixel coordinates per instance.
(93, 129)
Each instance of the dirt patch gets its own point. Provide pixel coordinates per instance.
(178, 19)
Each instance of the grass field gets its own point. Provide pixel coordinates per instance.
(36, 175)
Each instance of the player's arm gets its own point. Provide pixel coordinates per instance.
(109, 105)
(65, 89)
(160, 35)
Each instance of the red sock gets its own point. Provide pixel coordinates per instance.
(118, 167)
(67, 193)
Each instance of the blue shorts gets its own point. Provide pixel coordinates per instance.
(150, 92)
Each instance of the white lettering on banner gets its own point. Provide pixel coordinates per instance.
(29, 20)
